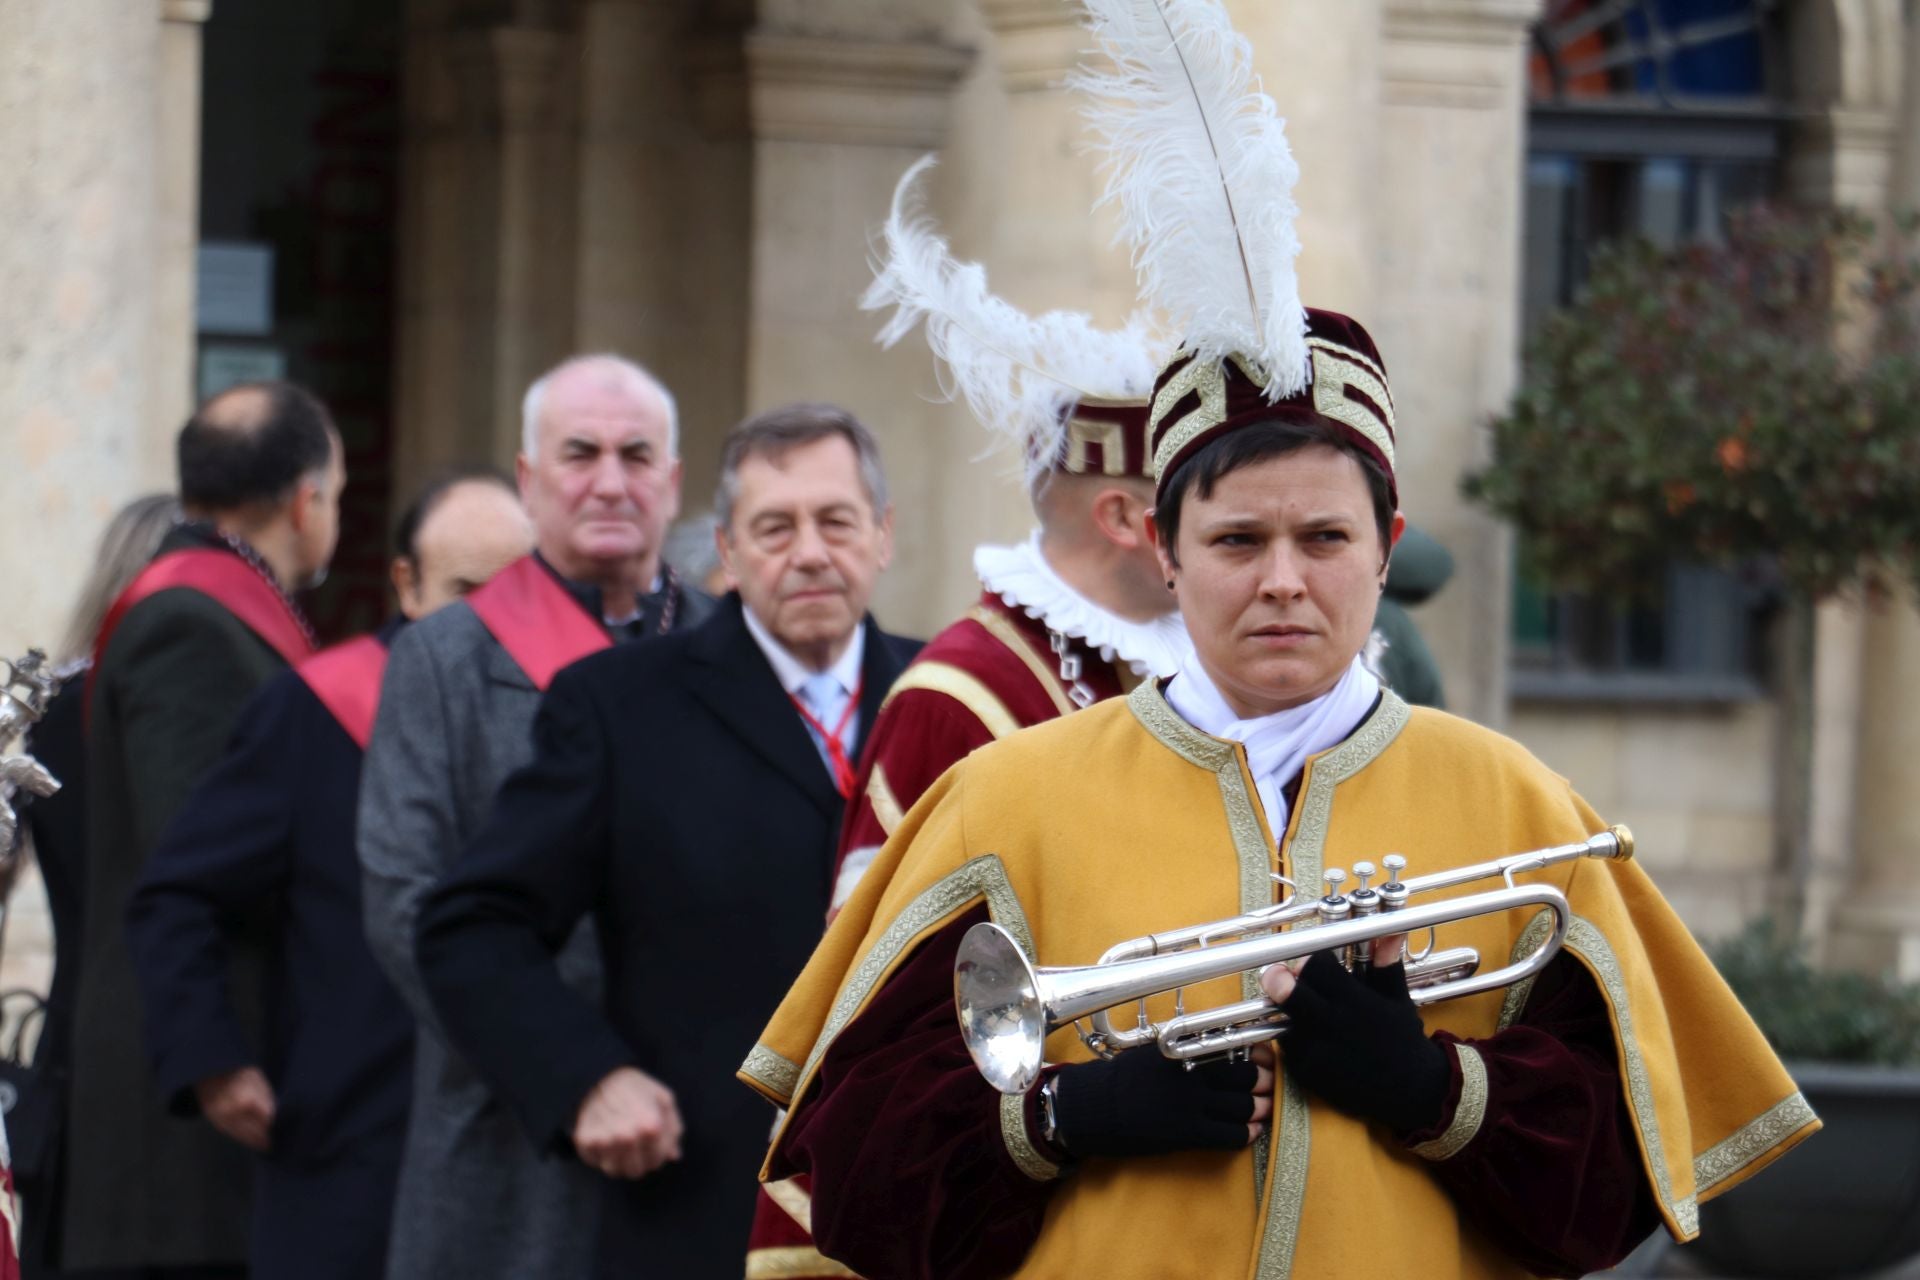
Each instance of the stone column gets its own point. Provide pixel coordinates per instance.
(176, 222)
(98, 165)
(664, 200)
(836, 117)
(487, 226)
(1874, 923)
(1454, 96)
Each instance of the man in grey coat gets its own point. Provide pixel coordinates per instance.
(599, 472)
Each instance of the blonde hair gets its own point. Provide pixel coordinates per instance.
(130, 540)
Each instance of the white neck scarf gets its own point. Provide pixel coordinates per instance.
(1277, 745)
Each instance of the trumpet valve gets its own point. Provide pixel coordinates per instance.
(1365, 901)
(1393, 894)
(1334, 906)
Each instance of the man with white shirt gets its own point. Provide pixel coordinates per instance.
(687, 795)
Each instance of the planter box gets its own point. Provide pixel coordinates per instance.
(1844, 1203)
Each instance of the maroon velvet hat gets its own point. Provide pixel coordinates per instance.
(1197, 401)
(1106, 437)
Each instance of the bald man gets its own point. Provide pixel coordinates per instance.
(182, 650)
(319, 1094)
(599, 472)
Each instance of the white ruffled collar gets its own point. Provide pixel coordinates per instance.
(1021, 576)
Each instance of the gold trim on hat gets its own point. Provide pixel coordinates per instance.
(1209, 378)
(1110, 436)
(1335, 368)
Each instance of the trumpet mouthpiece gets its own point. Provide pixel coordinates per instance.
(1624, 838)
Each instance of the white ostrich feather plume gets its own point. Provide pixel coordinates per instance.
(1198, 162)
(1019, 374)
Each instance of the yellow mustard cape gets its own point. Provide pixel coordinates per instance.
(1123, 820)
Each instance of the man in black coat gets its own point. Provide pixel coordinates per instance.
(181, 652)
(269, 837)
(687, 794)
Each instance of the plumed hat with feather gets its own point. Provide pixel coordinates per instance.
(1070, 396)
(1198, 163)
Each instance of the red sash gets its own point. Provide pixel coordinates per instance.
(231, 582)
(541, 627)
(346, 679)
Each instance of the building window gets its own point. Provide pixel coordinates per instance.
(1649, 118)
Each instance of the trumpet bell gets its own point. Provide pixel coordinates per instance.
(1002, 1017)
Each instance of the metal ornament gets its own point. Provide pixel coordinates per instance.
(1071, 669)
(24, 695)
(1008, 1006)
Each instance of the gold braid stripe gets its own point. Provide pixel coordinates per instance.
(1111, 438)
(1776, 1124)
(793, 1201)
(1585, 940)
(984, 877)
(1204, 376)
(1467, 1116)
(886, 806)
(1009, 635)
(964, 688)
(778, 1074)
(789, 1262)
(1334, 370)
(1013, 1130)
(1281, 1234)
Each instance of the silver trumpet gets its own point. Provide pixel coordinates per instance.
(1008, 1006)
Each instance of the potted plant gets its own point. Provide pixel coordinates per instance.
(1753, 401)
(1849, 1204)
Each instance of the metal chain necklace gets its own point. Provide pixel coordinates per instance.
(1071, 668)
(672, 605)
(244, 549)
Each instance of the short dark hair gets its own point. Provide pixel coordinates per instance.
(773, 433)
(406, 530)
(1257, 443)
(251, 444)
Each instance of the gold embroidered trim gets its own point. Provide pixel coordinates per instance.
(981, 877)
(793, 1202)
(1324, 772)
(1209, 378)
(1009, 635)
(1367, 363)
(1013, 1128)
(790, 1261)
(1584, 939)
(1150, 707)
(1529, 941)
(1305, 853)
(1472, 1109)
(1775, 1125)
(1334, 370)
(1281, 1235)
(964, 688)
(770, 1069)
(886, 806)
(1111, 438)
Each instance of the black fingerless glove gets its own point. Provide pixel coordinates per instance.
(1357, 1042)
(1145, 1104)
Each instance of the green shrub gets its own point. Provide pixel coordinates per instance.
(1754, 398)
(1811, 1014)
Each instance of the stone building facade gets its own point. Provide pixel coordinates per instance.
(695, 183)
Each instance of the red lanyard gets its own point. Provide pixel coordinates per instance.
(836, 747)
